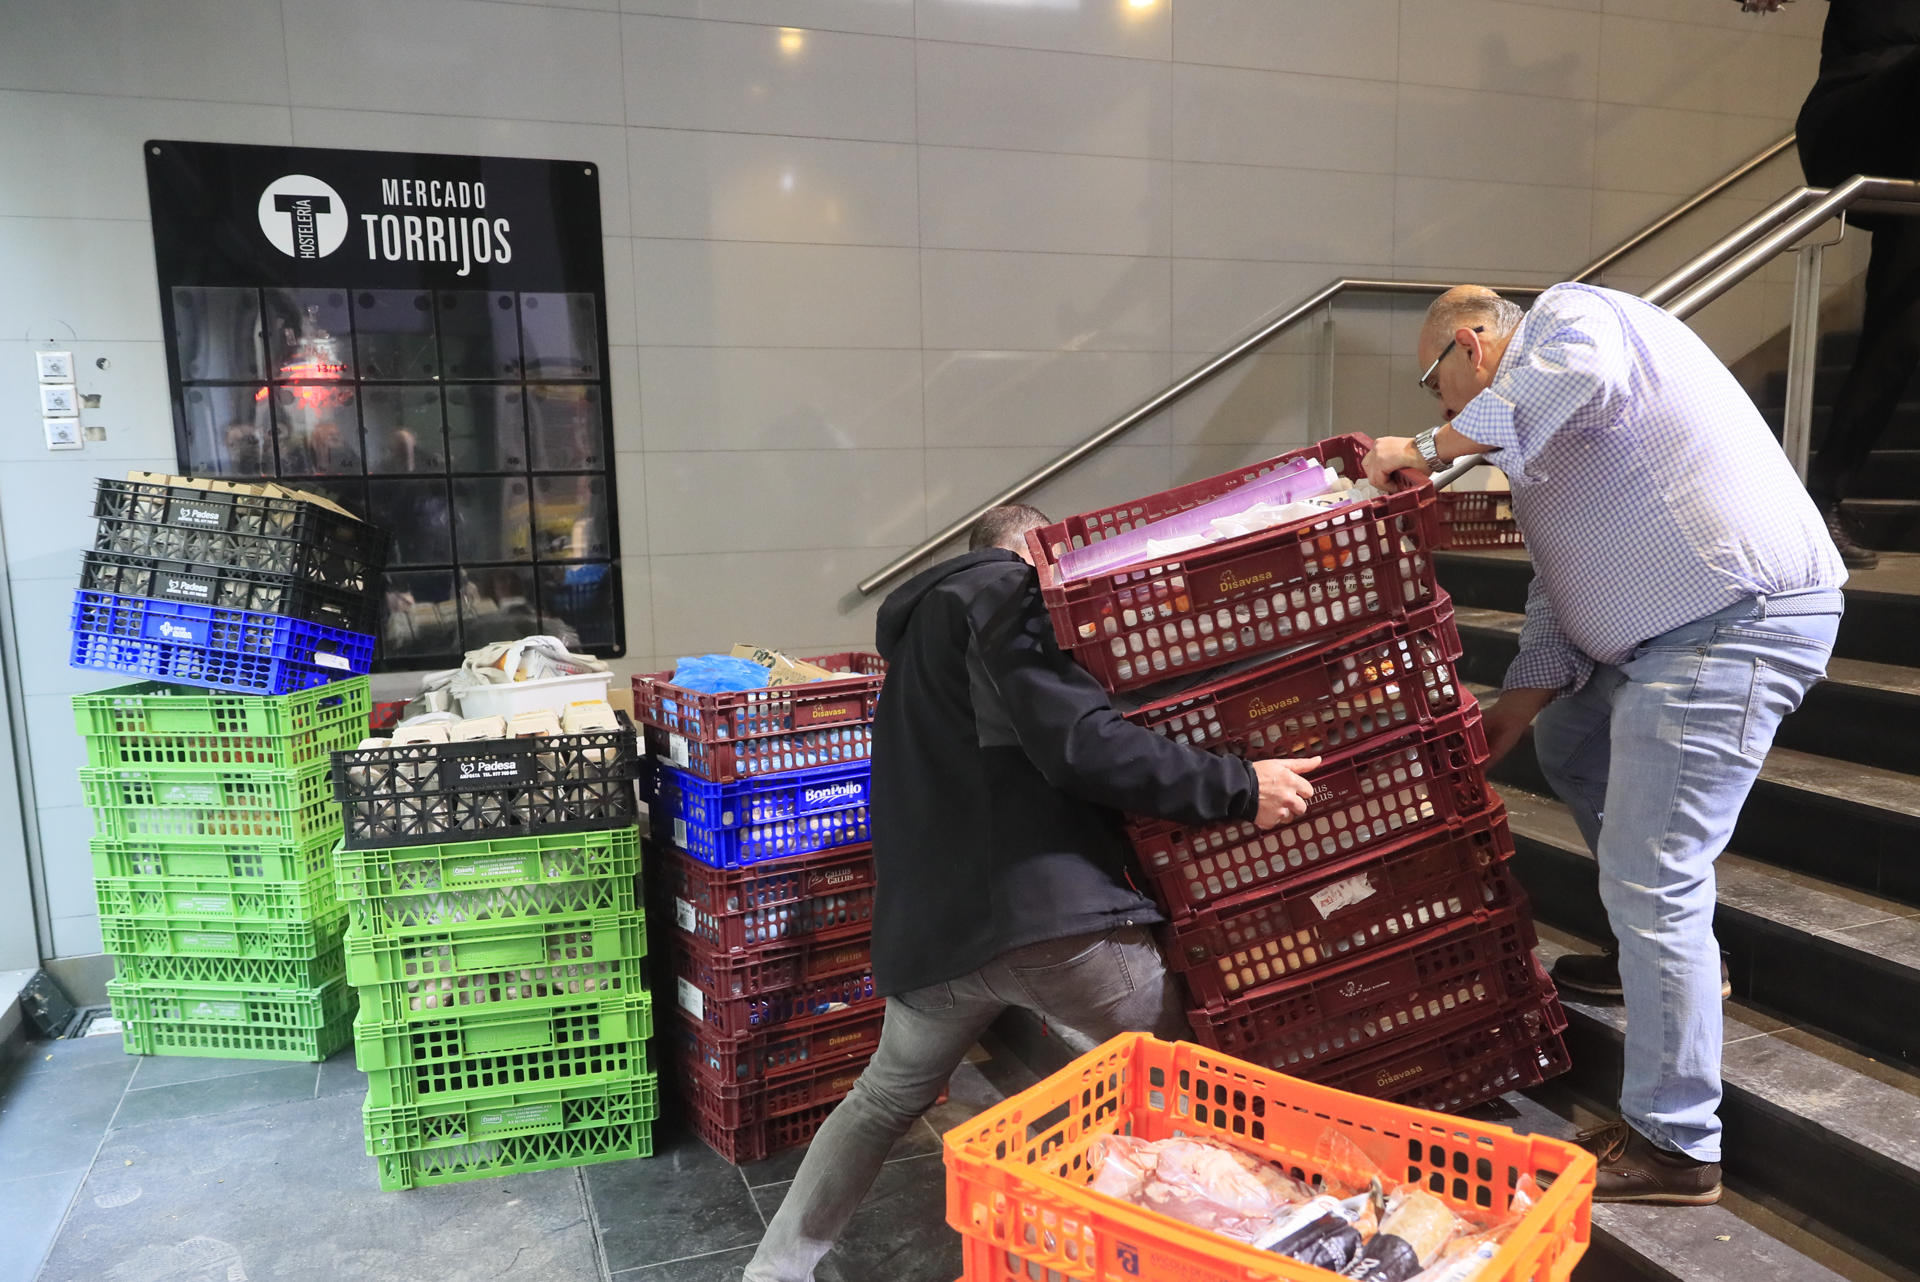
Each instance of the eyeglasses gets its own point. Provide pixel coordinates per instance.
(1426, 379)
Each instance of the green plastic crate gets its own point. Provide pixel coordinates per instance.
(152, 725)
(517, 966)
(240, 807)
(433, 887)
(324, 966)
(467, 1056)
(211, 937)
(232, 1021)
(484, 1159)
(208, 897)
(412, 1127)
(238, 863)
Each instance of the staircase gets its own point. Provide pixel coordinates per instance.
(1819, 919)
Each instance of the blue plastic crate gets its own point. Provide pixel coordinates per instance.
(730, 825)
(197, 645)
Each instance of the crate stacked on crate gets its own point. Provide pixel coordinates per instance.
(214, 825)
(251, 589)
(1378, 942)
(758, 804)
(1479, 519)
(495, 940)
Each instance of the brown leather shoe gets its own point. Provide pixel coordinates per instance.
(1598, 974)
(1635, 1169)
(1840, 530)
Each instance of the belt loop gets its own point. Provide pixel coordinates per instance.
(1761, 601)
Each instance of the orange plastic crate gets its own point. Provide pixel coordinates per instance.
(1017, 1173)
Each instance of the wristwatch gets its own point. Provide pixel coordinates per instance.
(1427, 445)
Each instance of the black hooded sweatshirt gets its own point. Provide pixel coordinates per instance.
(998, 766)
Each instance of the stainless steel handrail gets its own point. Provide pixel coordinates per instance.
(1267, 332)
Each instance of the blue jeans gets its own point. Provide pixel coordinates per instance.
(1100, 985)
(1655, 757)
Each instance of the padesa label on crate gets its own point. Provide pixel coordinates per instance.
(214, 1010)
(692, 1000)
(175, 631)
(482, 766)
(832, 796)
(514, 1119)
(188, 794)
(198, 516)
(184, 587)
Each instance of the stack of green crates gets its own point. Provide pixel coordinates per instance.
(214, 828)
(503, 1014)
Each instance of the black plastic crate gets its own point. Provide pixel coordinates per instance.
(239, 531)
(224, 588)
(428, 793)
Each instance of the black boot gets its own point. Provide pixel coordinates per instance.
(1840, 530)
(1598, 974)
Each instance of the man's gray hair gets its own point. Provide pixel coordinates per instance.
(1004, 526)
(1467, 306)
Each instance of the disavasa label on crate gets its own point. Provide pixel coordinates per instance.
(692, 1000)
(683, 915)
(1343, 894)
(677, 748)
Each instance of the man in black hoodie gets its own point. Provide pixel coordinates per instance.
(999, 767)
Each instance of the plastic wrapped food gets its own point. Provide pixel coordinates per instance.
(1208, 1185)
(1413, 1235)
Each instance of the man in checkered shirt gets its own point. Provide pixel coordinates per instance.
(1685, 597)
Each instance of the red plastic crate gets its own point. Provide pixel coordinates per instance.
(1478, 519)
(786, 1008)
(779, 1052)
(828, 895)
(1382, 681)
(1266, 591)
(737, 1104)
(1363, 799)
(1304, 925)
(760, 1140)
(735, 734)
(1418, 994)
(1518, 1048)
(767, 970)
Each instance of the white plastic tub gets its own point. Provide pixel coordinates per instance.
(553, 693)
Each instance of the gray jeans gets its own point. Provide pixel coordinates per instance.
(1099, 984)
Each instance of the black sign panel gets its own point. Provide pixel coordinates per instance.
(422, 338)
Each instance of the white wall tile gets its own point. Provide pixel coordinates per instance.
(723, 186)
(1499, 46)
(622, 308)
(958, 479)
(736, 501)
(47, 508)
(1282, 215)
(1265, 397)
(79, 155)
(1043, 302)
(1351, 38)
(1202, 462)
(1216, 301)
(1362, 395)
(630, 496)
(134, 407)
(65, 860)
(972, 199)
(1799, 68)
(1444, 224)
(1679, 152)
(718, 293)
(563, 64)
(1797, 20)
(1034, 100)
(1077, 26)
(76, 936)
(624, 374)
(602, 146)
(714, 398)
(209, 50)
(730, 76)
(1678, 65)
(877, 17)
(86, 277)
(1039, 398)
(805, 600)
(42, 607)
(1466, 133)
(58, 750)
(1619, 214)
(1237, 116)
(636, 591)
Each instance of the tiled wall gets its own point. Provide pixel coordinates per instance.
(870, 264)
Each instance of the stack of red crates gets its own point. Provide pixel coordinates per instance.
(1379, 943)
(771, 950)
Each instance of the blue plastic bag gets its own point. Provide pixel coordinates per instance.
(714, 673)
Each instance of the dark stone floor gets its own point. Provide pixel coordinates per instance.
(122, 1169)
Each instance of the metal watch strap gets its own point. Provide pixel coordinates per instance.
(1427, 445)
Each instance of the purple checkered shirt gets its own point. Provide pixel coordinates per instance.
(1647, 485)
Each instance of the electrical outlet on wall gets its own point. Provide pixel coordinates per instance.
(59, 398)
(55, 367)
(62, 433)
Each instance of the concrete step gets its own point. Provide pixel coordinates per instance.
(1901, 433)
(1886, 524)
(1792, 942)
(1889, 474)
(1826, 1137)
(1855, 694)
(1883, 605)
(1664, 1243)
